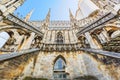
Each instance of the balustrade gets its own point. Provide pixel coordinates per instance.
(23, 24)
(97, 23)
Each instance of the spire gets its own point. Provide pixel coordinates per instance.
(47, 19)
(71, 15)
(79, 15)
(28, 15)
(72, 19)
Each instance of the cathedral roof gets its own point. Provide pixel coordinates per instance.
(58, 25)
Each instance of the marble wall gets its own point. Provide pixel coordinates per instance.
(77, 64)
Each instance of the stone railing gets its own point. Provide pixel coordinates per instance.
(102, 52)
(23, 24)
(87, 21)
(16, 54)
(96, 24)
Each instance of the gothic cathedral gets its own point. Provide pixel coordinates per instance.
(87, 47)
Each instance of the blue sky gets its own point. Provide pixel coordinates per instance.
(59, 9)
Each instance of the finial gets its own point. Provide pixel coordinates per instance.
(47, 19)
(71, 15)
(48, 16)
(29, 15)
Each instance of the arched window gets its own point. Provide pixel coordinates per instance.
(59, 64)
(59, 68)
(4, 36)
(59, 39)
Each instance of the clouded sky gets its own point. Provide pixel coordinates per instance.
(59, 8)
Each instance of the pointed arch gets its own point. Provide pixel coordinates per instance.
(59, 63)
(59, 68)
(59, 56)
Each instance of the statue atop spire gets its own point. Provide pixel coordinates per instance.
(72, 18)
(28, 15)
(47, 19)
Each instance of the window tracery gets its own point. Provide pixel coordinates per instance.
(59, 38)
(59, 68)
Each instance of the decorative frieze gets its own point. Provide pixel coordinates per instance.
(58, 47)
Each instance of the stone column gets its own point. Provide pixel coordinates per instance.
(53, 37)
(48, 37)
(100, 38)
(75, 37)
(18, 41)
(104, 32)
(45, 36)
(67, 37)
(93, 43)
(103, 38)
(71, 37)
(27, 43)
